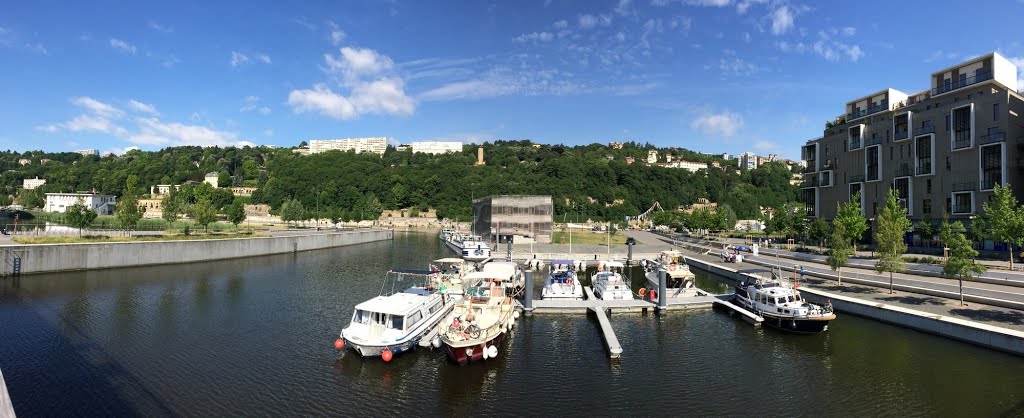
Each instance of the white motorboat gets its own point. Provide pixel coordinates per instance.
(608, 283)
(677, 272)
(479, 321)
(390, 324)
(562, 282)
(469, 247)
(513, 282)
(782, 307)
(450, 274)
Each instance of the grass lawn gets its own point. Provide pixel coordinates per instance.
(599, 238)
(71, 239)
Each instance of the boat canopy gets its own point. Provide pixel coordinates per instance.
(450, 260)
(566, 262)
(410, 271)
(611, 264)
(481, 276)
(504, 269)
(397, 304)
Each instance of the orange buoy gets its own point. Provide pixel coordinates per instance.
(641, 292)
(387, 355)
(339, 344)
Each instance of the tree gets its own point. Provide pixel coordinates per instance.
(204, 213)
(960, 260)
(726, 218)
(79, 216)
(292, 210)
(170, 207)
(236, 213)
(31, 198)
(839, 250)
(818, 231)
(892, 226)
(1005, 219)
(925, 230)
(128, 211)
(847, 227)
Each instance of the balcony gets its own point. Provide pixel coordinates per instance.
(856, 178)
(961, 140)
(989, 184)
(809, 210)
(825, 181)
(872, 141)
(924, 130)
(903, 171)
(854, 144)
(924, 168)
(901, 135)
(881, 107)
(962, 209)
(811, 167)
(872, 173)
(993, 137)
(811, 182)
(967, 186)
(958, 84)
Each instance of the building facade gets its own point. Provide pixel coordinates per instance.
(747, 161)
(436, 147)
(519, 218)
(942, 149)
(102, 204)
(30, 184)
(376, 145)
(88, 151)
(212, 178)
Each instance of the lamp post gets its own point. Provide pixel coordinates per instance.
(871, 223)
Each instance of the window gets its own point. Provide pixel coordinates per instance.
(926, 206)
(398, 322)
(949, 205)
(928, 185)
(995, 111)
(949, 167)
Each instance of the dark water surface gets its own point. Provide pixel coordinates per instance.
(254, 337)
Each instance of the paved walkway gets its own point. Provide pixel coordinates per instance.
(987, 314)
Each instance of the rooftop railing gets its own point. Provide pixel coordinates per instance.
(924, 130)
(958, 84)
(999, 136)
(881, 107)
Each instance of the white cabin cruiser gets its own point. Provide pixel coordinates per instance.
(390, 324)
(677, 272)
(782, 307)
(562, 282)
(469, 247)
(608, 282)
(479, 322)
(513, 282)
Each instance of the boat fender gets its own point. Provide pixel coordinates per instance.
(641, 292)
(672, 267)
(515, 314)
(654, 295)
(568, 281)
(339, 344)
(436, 343)
(387, 355)
(492, 352)
(483, 352)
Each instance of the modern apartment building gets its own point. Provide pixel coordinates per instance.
(513, 217)
(942, 149)
(436, 147)
(747, 160)
(375, 145)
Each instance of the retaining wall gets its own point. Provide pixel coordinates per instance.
(1004, 339)
(46, 258)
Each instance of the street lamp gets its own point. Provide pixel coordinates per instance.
(871, 222)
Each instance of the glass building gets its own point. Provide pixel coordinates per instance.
(519, 218)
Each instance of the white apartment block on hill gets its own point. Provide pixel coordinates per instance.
(436, 147)
(376, 145)
(30, 184)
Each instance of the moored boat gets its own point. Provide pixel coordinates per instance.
(677, 272)
(479, 322)
(782, 307)
(390, 324)
(562, 282)
(469, 247)
(608, 283)
(513, 274)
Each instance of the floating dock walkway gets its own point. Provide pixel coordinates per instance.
(751, 318)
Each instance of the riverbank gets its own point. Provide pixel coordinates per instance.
(48, 258)
(940, 319)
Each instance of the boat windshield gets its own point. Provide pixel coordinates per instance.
(397, 322)
(361, 317)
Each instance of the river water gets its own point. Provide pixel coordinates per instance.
(254, 337)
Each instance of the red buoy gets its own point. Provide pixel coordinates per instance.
(387, 355)
(339, 344)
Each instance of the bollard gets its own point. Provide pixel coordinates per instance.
(629, 256)
(508, 243)
(662, 297)
(528, 296)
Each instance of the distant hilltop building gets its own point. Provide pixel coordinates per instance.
(212, 178)
(436, 147)
(480, 155)
(690, 166)
(376, 145)
(747, 161)
(615, 145)
(102, 204)
(30, 184)
(652, 156)
(88, 151)
(162, 189)
(24, 161)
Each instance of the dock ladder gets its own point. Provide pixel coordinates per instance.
(14, 260)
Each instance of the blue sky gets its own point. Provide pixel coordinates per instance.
(709, 75)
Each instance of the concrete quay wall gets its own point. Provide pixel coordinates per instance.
(6, 407)
(1003, 339)
(48, 258)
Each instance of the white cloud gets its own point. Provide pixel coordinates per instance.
(354, 63)
(623, 8)
(93, 123)
(702, 3)
(238, 58)
(122, 46)
(268, 132)
(561, 24)
(264, 58)
(322, 100)
(37, 47)
(849, 31)
(1019, 62)
(723, 124)
(335, 35)
(159, 27)
(534, 37)
(782, 20)
(589, 21)
(472, 89)
(382, 96)
(153, 131)
(97, 107)
(142, 107)
(766, 146)
(733, 65)
(744, 5)
(264, 110)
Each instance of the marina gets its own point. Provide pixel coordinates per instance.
(186, 340)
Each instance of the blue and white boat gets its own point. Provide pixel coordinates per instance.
(562, 282)
(390, 324)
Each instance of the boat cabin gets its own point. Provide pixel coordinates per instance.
(397, 313)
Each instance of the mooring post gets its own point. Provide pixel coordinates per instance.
(528, 296)
(508, 242)
(662, 297)
(629, 255)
